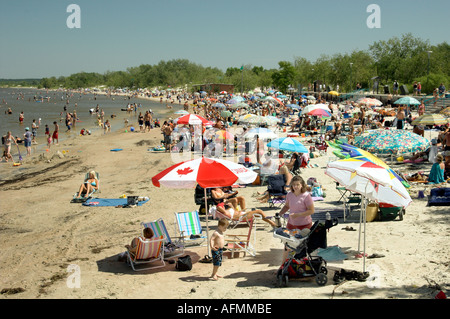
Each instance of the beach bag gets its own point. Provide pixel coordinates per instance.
(184, 263)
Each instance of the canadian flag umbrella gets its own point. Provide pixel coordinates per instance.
(207, 172)
(191, 119)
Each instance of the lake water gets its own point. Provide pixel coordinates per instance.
(52, 110)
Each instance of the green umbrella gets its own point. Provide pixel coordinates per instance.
(407, 100)
(226, 114)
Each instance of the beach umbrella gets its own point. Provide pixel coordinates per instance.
(226, 114)
(223, 92)
(244, 118)
(430, 119)
(407, 100)
(219, 105)
(273, 120)
(310, 97)
(263, 133)
(392, 142)
(445, 112)
(369, 101)
(288, 144)
(293, 106)
(181, 112)
(372, 182)
(320, 112)
(232, 101)
(260, 94)
(191, 119)
(348, 151)
(224, 135)
(239, 105)
(267, 98)
(312, 107)
(206, 172)
(278, 100)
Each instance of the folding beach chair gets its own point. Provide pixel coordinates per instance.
(342, 191)
(148, 251)
(188, 226)
(85, 197)
(276, 189)
(171, 249)
(243, 243)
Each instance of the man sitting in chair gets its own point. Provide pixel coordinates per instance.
(235, 214)
(221, 198)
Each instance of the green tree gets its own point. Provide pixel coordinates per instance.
(283, 77)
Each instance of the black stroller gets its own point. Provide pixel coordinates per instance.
(300, 263)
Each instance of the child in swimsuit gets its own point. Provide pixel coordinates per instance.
(217, 243)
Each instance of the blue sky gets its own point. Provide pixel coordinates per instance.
(35, 41)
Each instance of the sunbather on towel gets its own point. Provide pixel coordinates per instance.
(233, 214)
(89, 185)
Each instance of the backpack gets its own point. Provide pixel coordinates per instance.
(184, 263)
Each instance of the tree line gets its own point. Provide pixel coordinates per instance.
(406, 59)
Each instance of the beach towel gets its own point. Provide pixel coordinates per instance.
(332, 253)
(101, 202)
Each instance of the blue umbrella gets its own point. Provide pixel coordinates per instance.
(407, 100)
(293, 106)
(288, 144)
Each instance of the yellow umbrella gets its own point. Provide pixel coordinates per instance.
(430, 119)
(333, 93)
(445, 112)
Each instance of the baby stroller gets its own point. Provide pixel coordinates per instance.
(300, 263)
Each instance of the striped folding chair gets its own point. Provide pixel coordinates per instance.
(147, 251)
(188, 226)
(171, 248)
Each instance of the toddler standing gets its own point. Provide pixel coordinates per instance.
(217, 243)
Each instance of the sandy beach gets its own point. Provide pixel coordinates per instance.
(42, 234)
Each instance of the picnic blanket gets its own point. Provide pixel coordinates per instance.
(99, 202)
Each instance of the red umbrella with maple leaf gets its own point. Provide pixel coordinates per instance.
(206, 172)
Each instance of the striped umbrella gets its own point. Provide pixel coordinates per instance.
(445, 112)
(191, 119)
(312, 107)
(430, 119)
(224, 135)
(320, 112)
